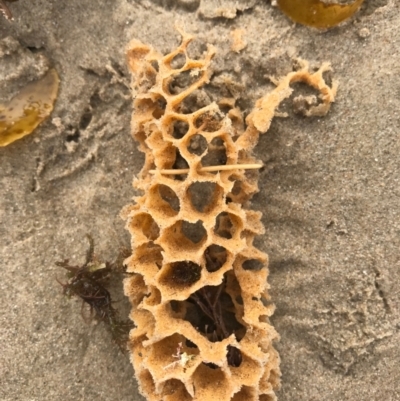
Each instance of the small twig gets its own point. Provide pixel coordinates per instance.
(212, 308)
(90, 251)
(217, 310)
(209, 169)
(203, 307)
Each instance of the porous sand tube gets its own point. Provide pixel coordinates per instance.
(198, 285)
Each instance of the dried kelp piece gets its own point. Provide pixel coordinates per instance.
(28, 108)
(318, 14)
(197, 285)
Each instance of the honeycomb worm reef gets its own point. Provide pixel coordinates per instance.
(198, 285)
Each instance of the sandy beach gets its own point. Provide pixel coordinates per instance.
(329, 190)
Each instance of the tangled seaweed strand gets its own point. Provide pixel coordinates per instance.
(88, 283)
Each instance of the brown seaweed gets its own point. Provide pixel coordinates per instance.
(88, 282)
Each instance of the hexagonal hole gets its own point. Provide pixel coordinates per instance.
(225, 225)
(193, 102)
(204, 196)
(180, 274)
(195, 232)
(216, 155)
(163, 353)
(184, 235)
(178, 61)
(156, 108)
(146, 224)
(197, 145)
(163, 199)
(179, 82)
(208, 122)
(169, 196)
(179, 129)
(215, 257)
(210, 311)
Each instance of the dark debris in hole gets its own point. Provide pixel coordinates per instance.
(224, 226)
(211, 311)
(202, 195)
(197, 145)
(180, 129)
(215, 257)
(234, 356)
(208, 122)
(180, 163)
(194, 232)
(216, 155)
(169, 196)
(194, 101)
(253, 264)
(161, 105)
(184, 273)
(175, 306)
(181, 81)
(237, 188)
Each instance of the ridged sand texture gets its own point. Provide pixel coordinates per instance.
(198, 285)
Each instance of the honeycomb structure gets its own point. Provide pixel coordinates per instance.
(198, 285)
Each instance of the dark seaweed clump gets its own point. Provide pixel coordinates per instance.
(88, 282)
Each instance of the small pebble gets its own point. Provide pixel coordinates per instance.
(364, 33)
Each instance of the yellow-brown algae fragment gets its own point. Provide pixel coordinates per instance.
(198, 285)
(318, 14)
(28, 108)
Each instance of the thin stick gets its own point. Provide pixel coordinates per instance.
(209, 169)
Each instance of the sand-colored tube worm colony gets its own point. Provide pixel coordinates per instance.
(198, 285)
